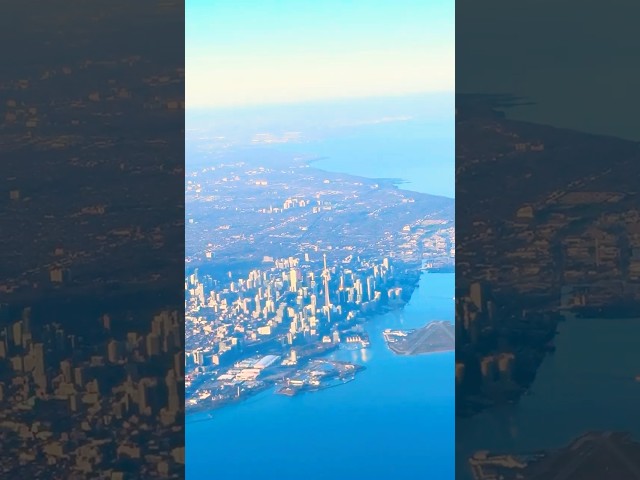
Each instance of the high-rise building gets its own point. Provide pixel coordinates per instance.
(459, 373)
(78, 374)
(143, 395)
(198, 357)
(172, 389)
(326, 277)
(17, 333)
(178, 364)
(65, 367)
(153, 344)
(293, 280)
(477, 295)
(113, 353)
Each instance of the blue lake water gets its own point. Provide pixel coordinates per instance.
(420, 152)
(588, 384)
(394, 421)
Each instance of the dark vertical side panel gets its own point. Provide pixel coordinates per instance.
(548, 254)
(91, 243)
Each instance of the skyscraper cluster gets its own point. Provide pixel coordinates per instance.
(289, 301)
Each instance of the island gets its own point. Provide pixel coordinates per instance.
(594, 455)
(435, 336)
(318, 375)
(289, 376)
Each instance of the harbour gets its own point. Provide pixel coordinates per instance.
(338, 425)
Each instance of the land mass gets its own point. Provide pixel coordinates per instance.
(436, 336)
(256, 203)
(284, 260)
(555, 239)
(594, 455)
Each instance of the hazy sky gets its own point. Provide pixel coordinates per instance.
(265, 51)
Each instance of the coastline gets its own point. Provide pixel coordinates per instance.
(554, 393)
(345, 419)
(410, 284)
(403, 342)
(391, 181)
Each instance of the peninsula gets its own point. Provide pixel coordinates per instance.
(436, 336)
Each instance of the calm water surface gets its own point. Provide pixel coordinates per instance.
(419, 152)
(394, 421)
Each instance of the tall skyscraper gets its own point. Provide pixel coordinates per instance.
(325, 276)
(477, 295)
(172, 392)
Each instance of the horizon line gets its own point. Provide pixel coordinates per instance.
(313, 101)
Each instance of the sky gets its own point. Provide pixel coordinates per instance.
(249, 53)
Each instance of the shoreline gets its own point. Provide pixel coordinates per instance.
(400, 342)
(434, 352)
(396, 182)
(383, 310)
(333, 380)
(393, 181)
